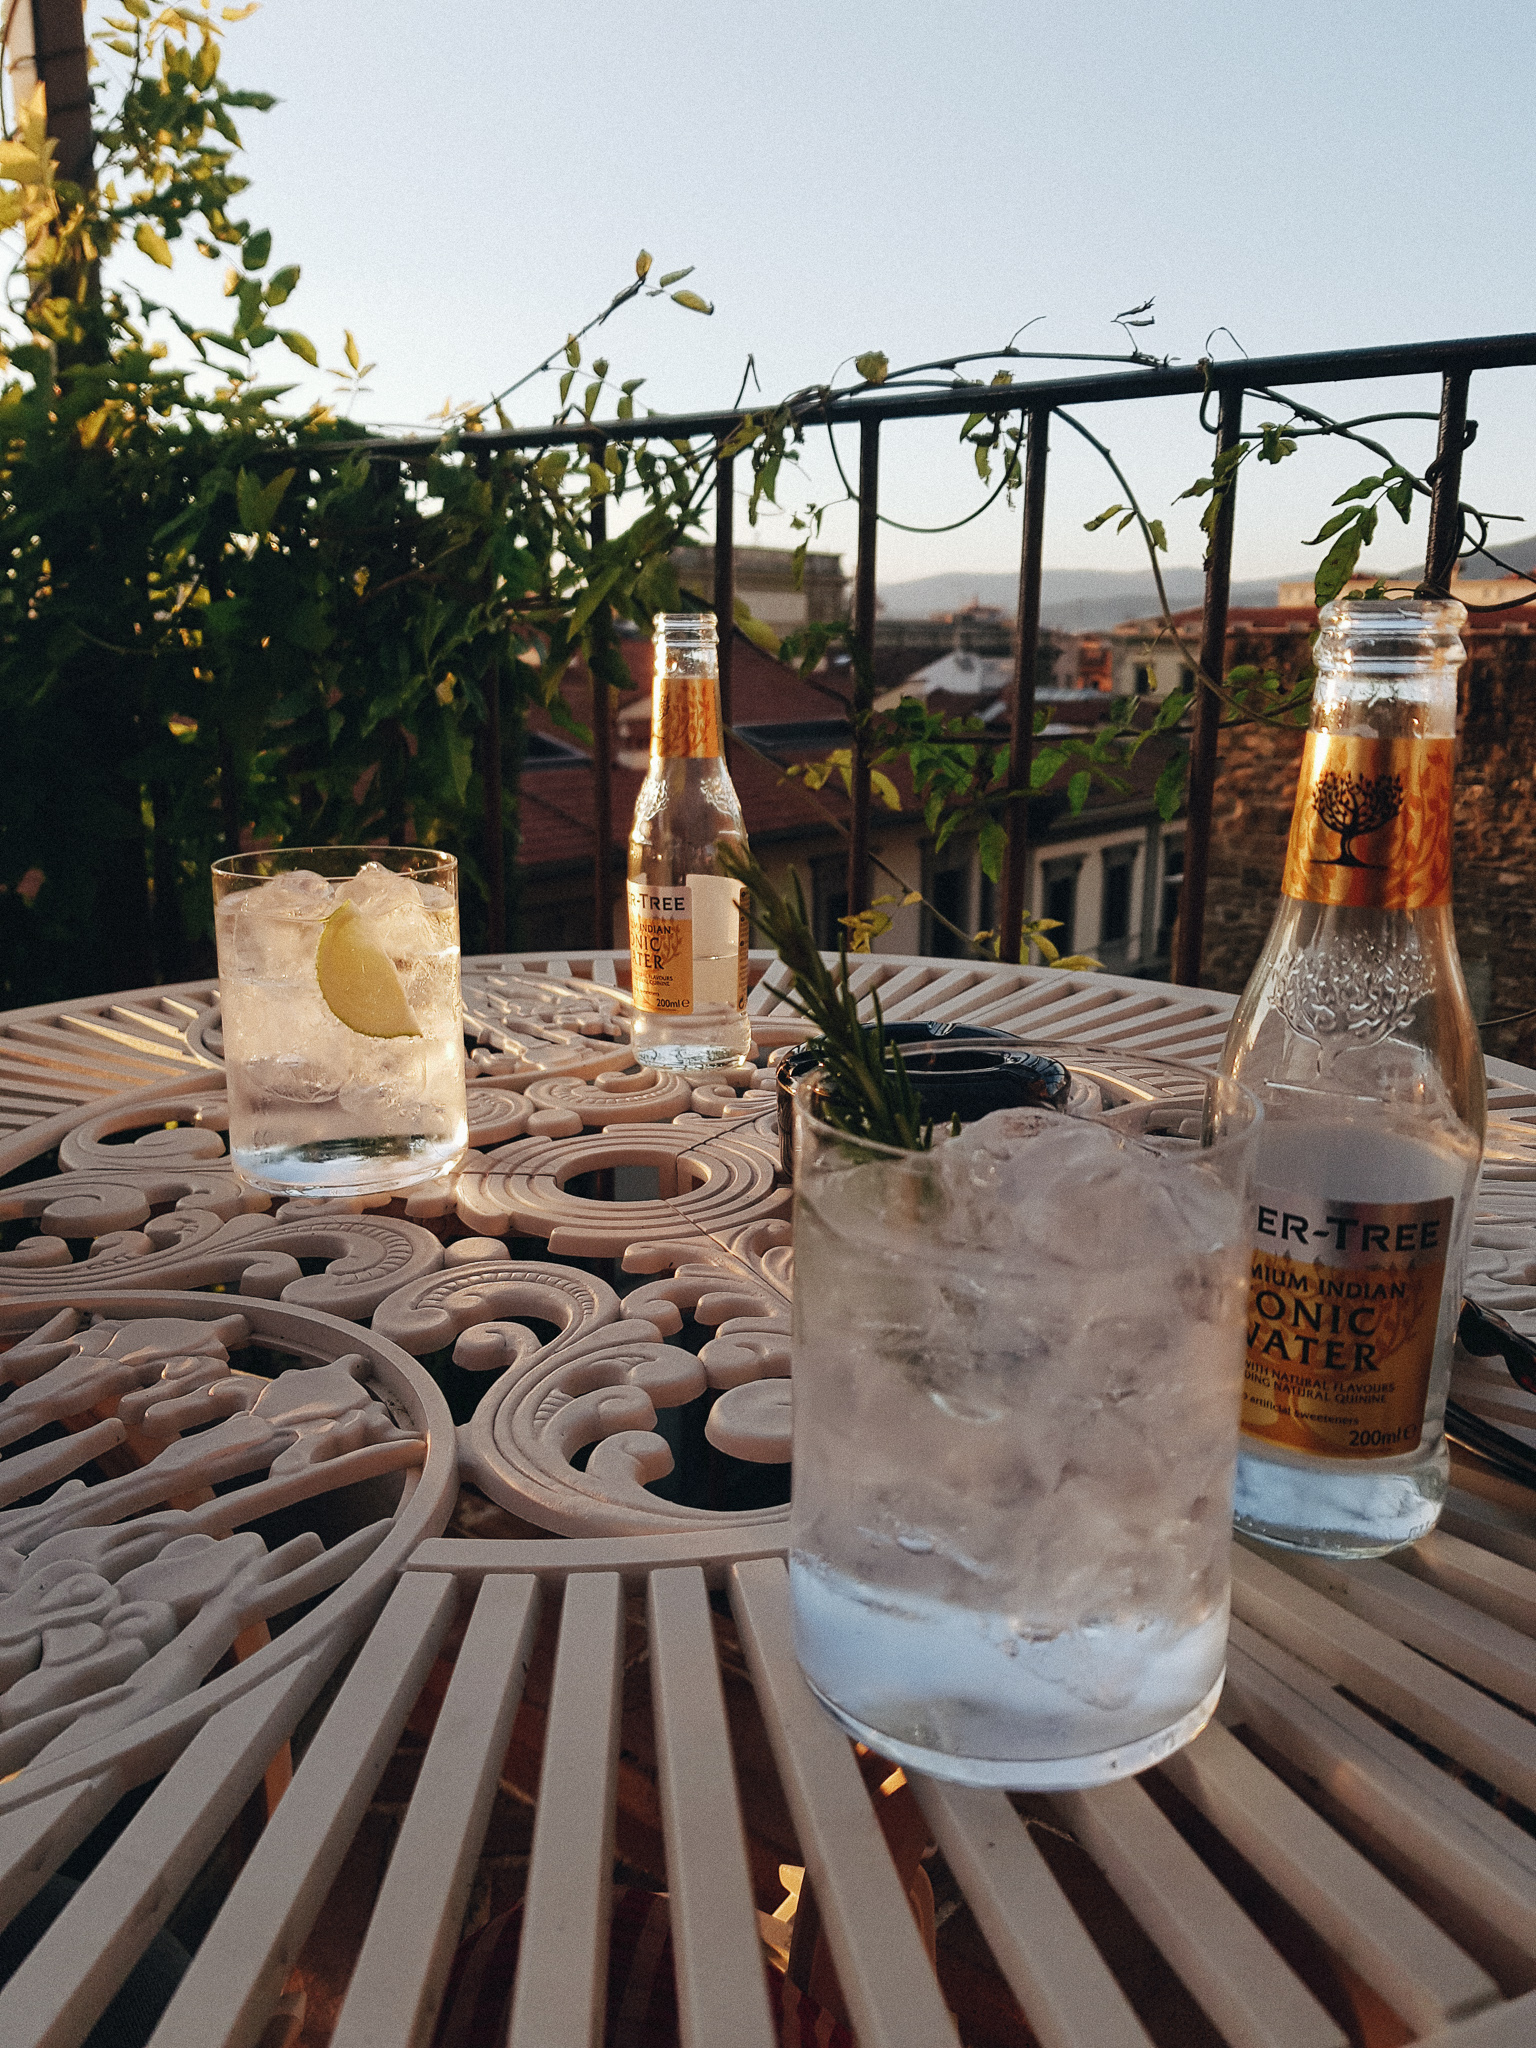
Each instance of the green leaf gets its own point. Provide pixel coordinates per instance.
(1092, 525)
(1363, 489)
(1159, 537)
(1333, 525)
(1077, 790)
(258, 248)
(1337, 566)
(693, 302)
(1400, 497)
(873, 366)
(991, 849)
(589, 398)
(1169, 791)
(279, 287)
(298, 344)
(885, 789)
(759, 633)
(257, 503)
(153, 244)
(565, 385)
(573, 351)
(595, 592)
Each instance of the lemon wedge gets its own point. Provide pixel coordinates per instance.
(359, 981)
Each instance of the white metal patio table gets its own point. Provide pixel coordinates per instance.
(1349, 1852)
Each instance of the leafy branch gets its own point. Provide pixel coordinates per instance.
(867, 1091)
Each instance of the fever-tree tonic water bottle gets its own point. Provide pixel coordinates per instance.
(687, 921)
(1356, 1033)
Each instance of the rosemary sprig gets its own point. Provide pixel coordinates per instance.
(868, 1092)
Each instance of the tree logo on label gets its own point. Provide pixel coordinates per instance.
(1355, 806)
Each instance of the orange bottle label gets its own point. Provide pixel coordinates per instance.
(661, 949)
(1343, 1304)
(685, 717)
(1372, 824)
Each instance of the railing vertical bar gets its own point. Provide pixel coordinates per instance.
(725, 587)
(495, 852)
(1445, 527)
(863, 660)
(602, 762)
(1207, 718)
(493, 848)
(1021, 690)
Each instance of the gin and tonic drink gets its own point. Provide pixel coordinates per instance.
(1017, 1368)
(343, 1046)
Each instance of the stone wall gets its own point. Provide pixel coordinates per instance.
(1495, 853)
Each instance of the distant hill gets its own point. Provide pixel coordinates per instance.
(1089, 600)
(1072, 600)
(1519, 554)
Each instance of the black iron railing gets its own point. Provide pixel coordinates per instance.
(1454, 362)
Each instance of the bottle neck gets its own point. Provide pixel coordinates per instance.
(685, 715)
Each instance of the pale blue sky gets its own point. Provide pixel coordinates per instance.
(463, 184)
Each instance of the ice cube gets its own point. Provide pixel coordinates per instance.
(396, 915)
(270, 932)
(298, 893)
(1083, 1193)
(290, 1078)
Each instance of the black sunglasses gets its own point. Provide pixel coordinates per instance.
(1487, 1335)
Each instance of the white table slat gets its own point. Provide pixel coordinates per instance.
(1363, 1918)
(722, 2002)
(1487, 1651)
(1493, 1585)
(1062, 1983)
(244, 1960)
(1496, 1743)
(1502, 1530)
(38, 1838)
(714, 1551)
(1228, 1967)
(74, 1972)
(892, 1995)
(1507, 2026)
(562, 1973)
(1472, 1864)
(397, 1985)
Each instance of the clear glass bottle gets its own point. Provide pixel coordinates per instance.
(687, 921)
(1356, 1033)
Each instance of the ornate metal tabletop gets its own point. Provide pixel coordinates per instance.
(316, 1433)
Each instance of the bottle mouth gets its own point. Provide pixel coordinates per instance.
(1407, 615)
(685, 629)
(1390, 637)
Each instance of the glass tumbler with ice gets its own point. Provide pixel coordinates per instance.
(343, 1040)
(1017, 1367)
